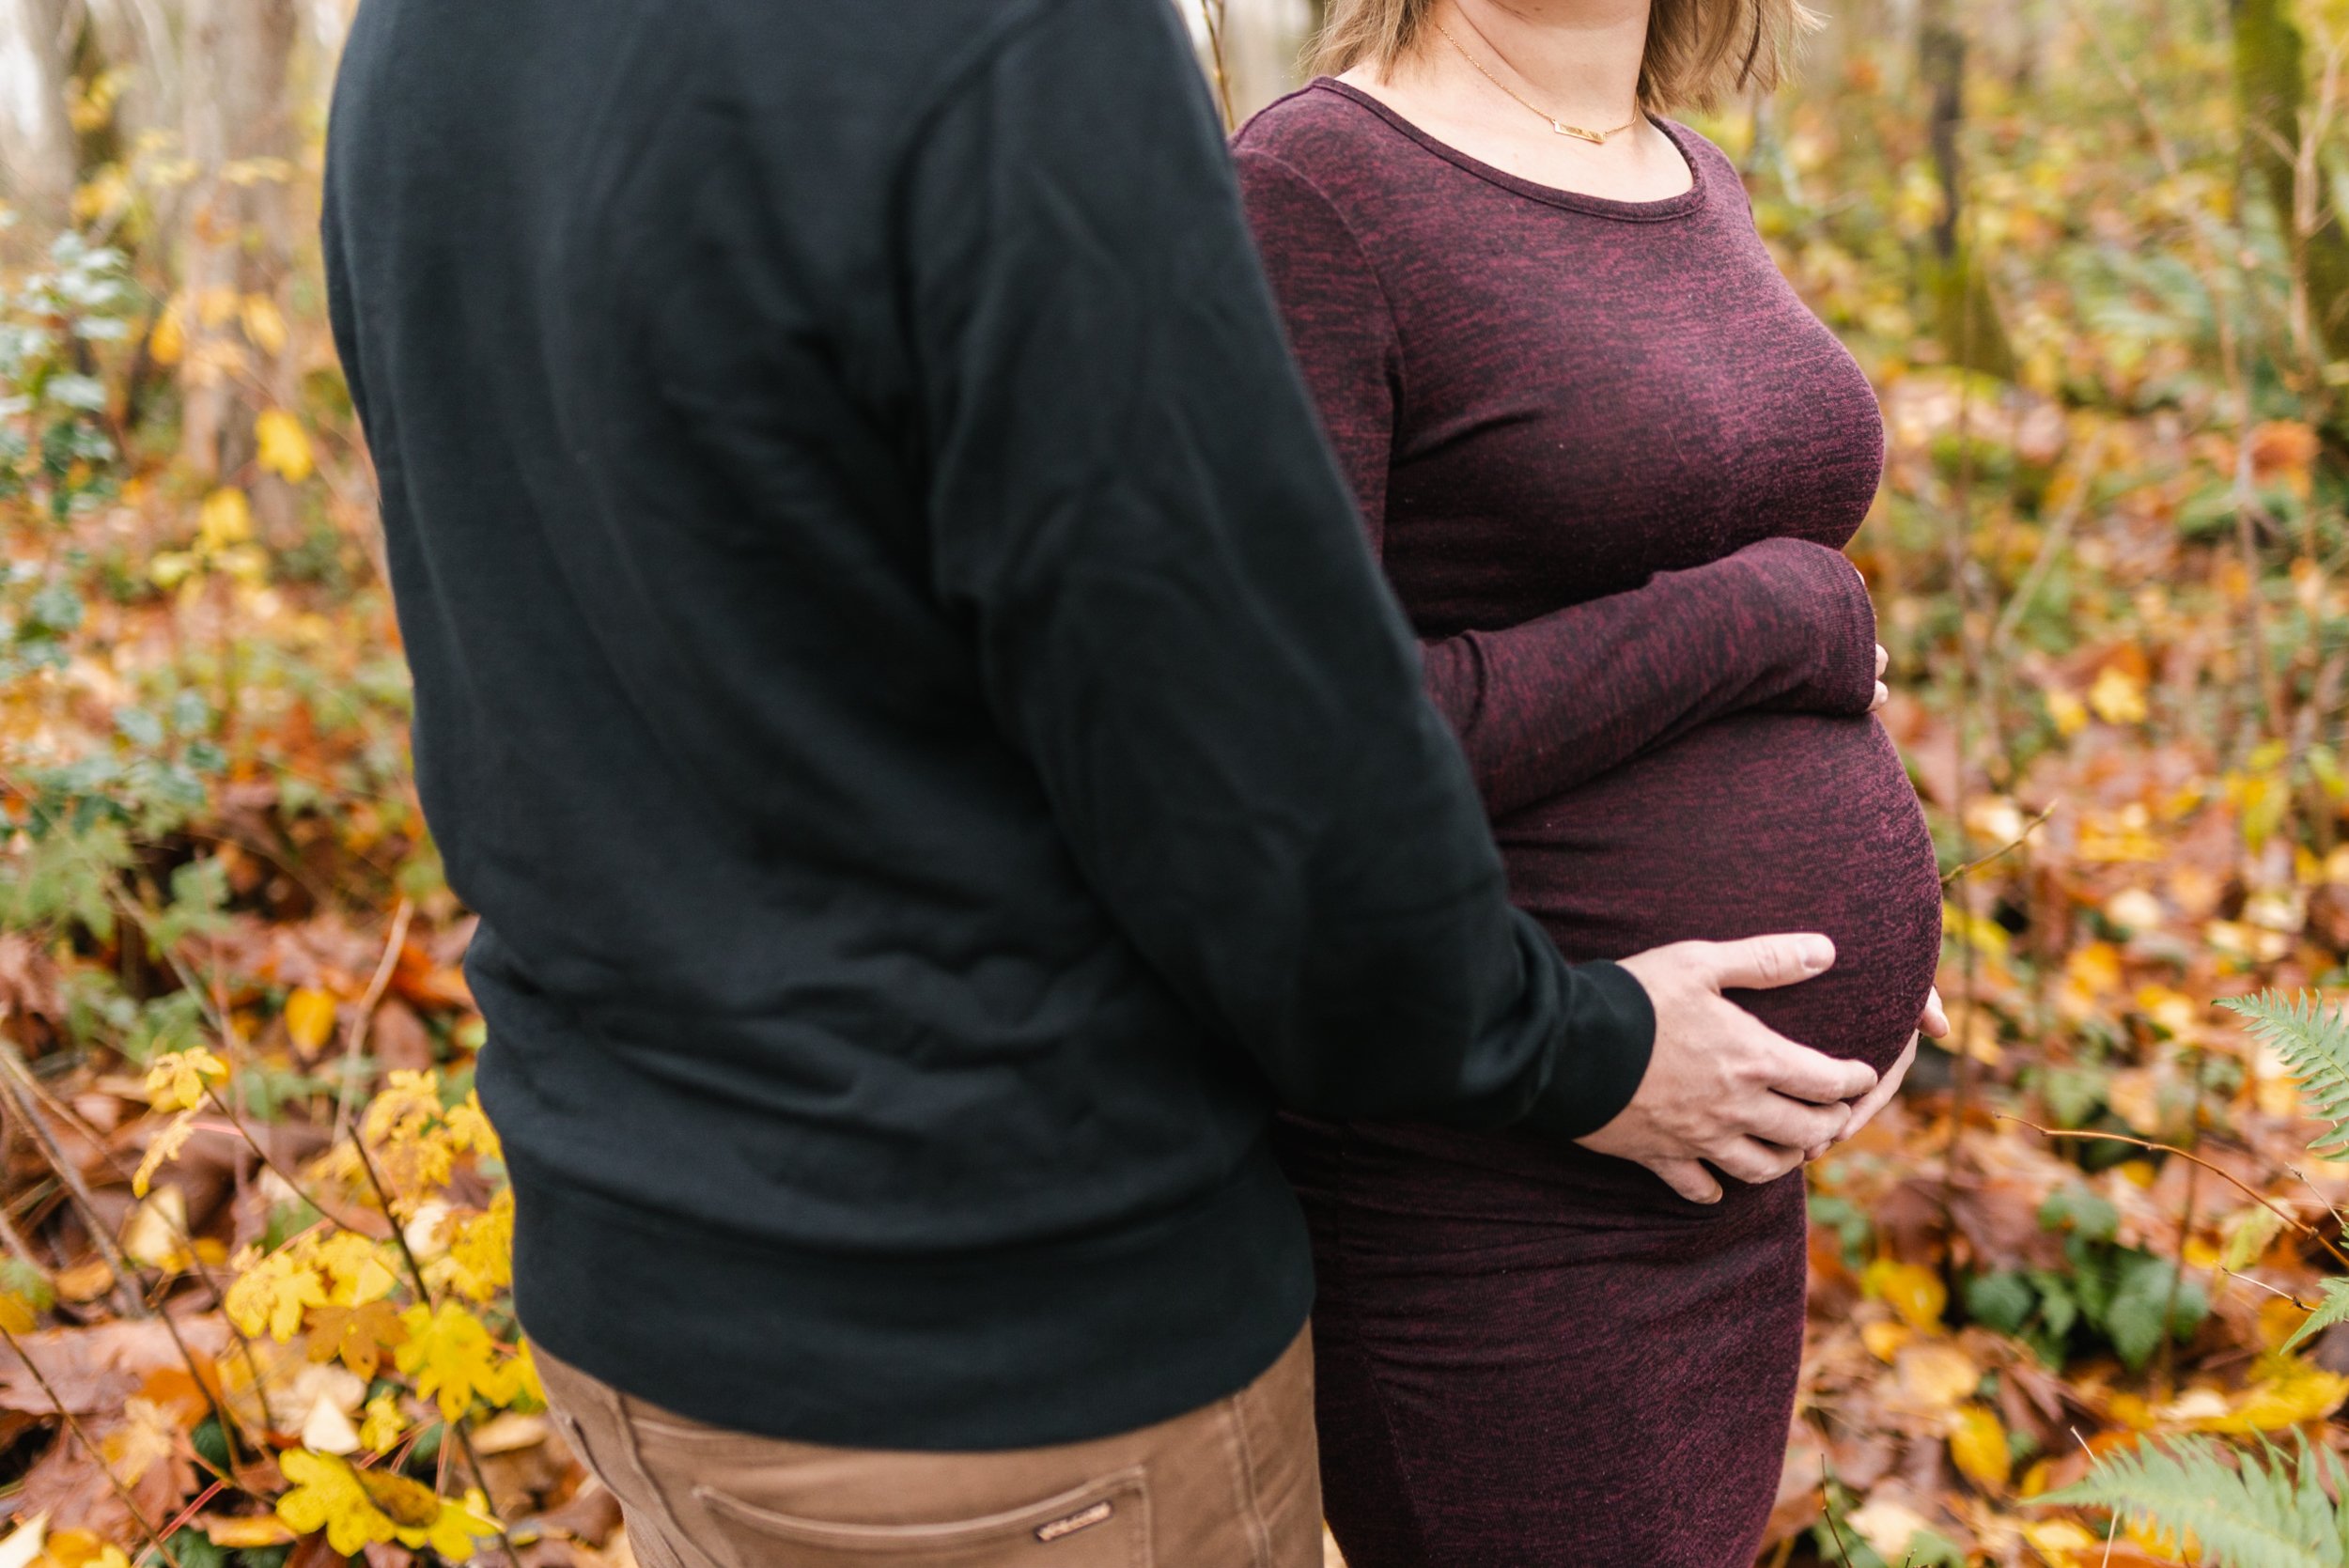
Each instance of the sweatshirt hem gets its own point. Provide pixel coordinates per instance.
(1018, 1346)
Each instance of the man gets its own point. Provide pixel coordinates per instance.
(898, 674)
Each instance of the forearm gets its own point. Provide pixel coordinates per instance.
(1546, 706)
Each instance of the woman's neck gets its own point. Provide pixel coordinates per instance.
(1578, 59)
(1545, 89)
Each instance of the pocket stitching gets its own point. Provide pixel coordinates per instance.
(1008, 1523)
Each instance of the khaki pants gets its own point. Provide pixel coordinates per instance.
(1234, 1484)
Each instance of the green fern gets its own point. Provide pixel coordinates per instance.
(2331, 1311)
(2267, 1510)
(2313, 1040)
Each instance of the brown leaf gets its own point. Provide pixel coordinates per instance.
(591, 1515)
(397, 1039)
(95, 1369)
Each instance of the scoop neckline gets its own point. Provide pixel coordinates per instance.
(1579, 201)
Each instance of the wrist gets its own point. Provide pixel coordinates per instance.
(1603, 1053)
(1826, 622)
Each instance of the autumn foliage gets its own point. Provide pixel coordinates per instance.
(255, 1288)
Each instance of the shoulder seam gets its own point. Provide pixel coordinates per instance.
(1353, 238)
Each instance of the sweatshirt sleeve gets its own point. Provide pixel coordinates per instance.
(1131, 509)
(1543, 707)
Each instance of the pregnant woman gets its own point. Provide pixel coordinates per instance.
(1609, 460)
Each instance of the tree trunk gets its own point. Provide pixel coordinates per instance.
(35, 137)
(2271, 92)
(1966, 317)
(238, 130)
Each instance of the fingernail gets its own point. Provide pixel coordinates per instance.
(1817, 954)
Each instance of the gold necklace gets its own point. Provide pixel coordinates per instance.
(1576, 131)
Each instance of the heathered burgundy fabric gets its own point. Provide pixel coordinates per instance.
(1609, 459)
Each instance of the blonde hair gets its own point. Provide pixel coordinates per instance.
(1698, 50)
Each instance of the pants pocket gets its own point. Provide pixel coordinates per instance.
(1103, 1524)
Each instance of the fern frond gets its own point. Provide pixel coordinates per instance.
(2332, 1310)
(2266, 1510)
(2313, 1040)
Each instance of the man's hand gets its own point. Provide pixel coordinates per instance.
(1719, 1086)
(1884, 692)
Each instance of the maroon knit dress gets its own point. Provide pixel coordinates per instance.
(1609, 459)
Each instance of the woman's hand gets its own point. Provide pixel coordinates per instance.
(1934, 1022)
(1884, 694)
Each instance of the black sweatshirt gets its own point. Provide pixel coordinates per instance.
(900, 679)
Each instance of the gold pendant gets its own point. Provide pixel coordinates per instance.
(1578, 132)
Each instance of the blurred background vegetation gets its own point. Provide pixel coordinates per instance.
(2091, 254)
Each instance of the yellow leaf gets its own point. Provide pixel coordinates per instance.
(383, 1424)
(1916, 1292)
(1979, 932)
(357, 1268)
(156, 1232)
(2299, 1391)
(217, 307)
(16, 1313)
(85, 1281)
(327, 1495)
(2069, 714)
(271, 1297)
(162, 1150)
(285, 447)
(2061, 1542)
(179, 1081)
(1884, 1338)
(74, 1548)
(2280, 1318)
(458, 1528)
(2118, 697)
(264, 327)
(480, 1258)
(405, 1503)
(309, 1013)
(1978, 1447)
(226, 520)
(1937, 1375)
(260, 1529)
(169, 344)
(452, 1357)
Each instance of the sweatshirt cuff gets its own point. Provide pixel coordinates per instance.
(1610, 1033)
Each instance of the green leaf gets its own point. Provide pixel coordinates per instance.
(2147, 1287)
(2248, 1234)
(2089, 1213)
(2059, 1309)
(22, 1278)
(2313, 1040)
(2002, 1302)
(2266, 1510)
(2332, 1310)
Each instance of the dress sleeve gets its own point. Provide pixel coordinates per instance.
(1543, 707)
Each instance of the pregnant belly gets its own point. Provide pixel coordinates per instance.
(1754, 823)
